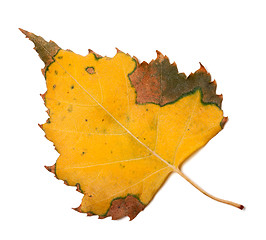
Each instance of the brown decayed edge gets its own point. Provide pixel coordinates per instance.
(46, 50)
(160, 82)
(129, 206)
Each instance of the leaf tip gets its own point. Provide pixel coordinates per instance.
(46, 50)
(24, 31)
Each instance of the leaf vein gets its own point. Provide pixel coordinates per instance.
(109, 163)
(90, 133)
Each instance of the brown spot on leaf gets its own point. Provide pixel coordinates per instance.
(160, 82)
(90, 70)
(129, 206)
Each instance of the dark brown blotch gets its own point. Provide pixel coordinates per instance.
(160, 82)
(129, 206)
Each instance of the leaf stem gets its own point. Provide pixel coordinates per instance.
(206, 193)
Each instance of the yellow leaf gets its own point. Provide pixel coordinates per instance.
(111, 146)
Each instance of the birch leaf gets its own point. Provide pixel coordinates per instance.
(121, 127)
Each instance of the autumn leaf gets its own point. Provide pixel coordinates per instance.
(121, 127)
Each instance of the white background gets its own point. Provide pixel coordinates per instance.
(227, 37)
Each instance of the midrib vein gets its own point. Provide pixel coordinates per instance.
(90, 133)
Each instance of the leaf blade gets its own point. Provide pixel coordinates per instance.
(93, 107)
